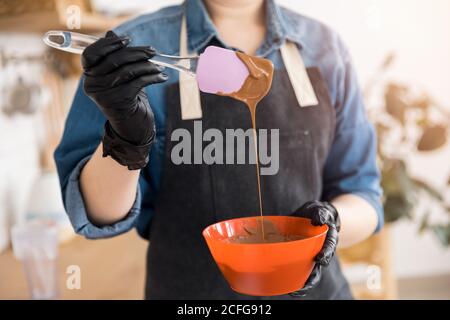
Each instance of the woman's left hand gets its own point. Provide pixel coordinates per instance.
(320, 213)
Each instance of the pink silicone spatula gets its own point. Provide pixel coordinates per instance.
(220, 70)
(217, 70)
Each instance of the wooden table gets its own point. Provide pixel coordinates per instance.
(110, 269)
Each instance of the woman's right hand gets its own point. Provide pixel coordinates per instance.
(115, 77)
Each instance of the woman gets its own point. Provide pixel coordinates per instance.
(114, 159)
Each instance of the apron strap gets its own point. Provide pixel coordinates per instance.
(189, 91)
(298, 75)
(190, 94)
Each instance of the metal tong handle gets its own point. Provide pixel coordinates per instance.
(76, 43)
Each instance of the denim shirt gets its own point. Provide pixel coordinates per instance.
(351, 164)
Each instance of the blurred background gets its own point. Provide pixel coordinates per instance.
(401, 51)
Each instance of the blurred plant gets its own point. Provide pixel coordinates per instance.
(406, 124)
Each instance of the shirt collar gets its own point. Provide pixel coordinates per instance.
(201, 29)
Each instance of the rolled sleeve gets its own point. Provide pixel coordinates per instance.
(77, 213)
(351, 166)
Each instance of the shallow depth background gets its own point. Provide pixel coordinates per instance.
(416, 31)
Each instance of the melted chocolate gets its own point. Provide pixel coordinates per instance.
(252, 235)
(254, 89)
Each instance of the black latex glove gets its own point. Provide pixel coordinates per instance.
(115, 75)
(320, 213)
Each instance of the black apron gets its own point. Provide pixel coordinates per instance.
(192, 197)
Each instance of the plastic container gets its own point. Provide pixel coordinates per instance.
(36, 245)
(265, 269)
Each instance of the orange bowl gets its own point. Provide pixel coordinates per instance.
(265, 269)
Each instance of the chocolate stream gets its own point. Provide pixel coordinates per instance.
(256, 86)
